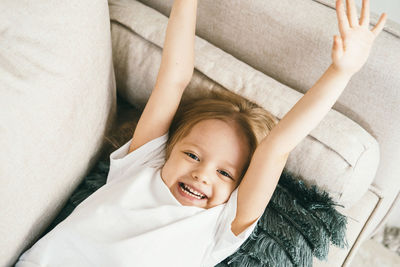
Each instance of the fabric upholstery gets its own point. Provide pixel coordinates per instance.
(57, 93)
(338, 156)
(290, 41)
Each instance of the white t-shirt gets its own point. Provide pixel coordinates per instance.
(134, 220)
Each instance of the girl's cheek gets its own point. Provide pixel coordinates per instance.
(178, 166)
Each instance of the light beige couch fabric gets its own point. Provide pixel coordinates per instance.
(58, 95)
(338, 156)
(137, 43)
(57, 91)
(290, 41)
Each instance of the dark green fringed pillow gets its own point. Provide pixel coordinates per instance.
(298, 223)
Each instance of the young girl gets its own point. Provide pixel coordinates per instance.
(187, 190)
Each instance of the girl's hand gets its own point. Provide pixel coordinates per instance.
(351, 49)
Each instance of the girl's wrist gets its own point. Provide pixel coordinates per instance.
(340, 73)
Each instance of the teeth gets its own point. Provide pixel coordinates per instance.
(193, 191)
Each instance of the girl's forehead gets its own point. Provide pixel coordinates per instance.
(207, 131)
(216, 138)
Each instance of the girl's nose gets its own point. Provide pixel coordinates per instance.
(202, 175)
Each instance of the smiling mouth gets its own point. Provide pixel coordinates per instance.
(187, 191)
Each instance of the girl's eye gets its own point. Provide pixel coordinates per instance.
(224, 173)
(193, 156)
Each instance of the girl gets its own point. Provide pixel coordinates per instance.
(190, 186)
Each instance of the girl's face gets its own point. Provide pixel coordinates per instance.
(209, 160)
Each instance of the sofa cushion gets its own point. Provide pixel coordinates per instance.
(57, 90)
(338, 156)
(291, 42)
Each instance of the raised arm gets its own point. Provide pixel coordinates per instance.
(349, 53)
(175, 73)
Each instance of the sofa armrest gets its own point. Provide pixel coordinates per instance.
(57, 99)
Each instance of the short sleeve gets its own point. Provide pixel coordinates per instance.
(151, 154)
(226, 243)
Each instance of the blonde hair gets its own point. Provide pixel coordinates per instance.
(254, 121)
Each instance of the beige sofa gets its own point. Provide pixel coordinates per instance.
(59, 99)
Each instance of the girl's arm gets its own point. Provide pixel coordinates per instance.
(350, 51)
(174, 75)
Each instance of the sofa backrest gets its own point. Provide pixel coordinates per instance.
(294, 48)
(339, 156)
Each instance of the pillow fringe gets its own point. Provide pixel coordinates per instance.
(314, 231)
(319, 204)
(299, 222)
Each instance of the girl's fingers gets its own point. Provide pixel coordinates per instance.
(342, 18)
(379, 26)
(351, 13)
(364, 20)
